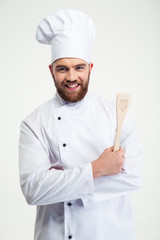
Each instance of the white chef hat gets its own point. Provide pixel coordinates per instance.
(69, 32)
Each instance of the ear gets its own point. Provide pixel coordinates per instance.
(50, 68)
(91, 66)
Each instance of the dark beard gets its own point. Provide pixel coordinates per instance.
(75, 96)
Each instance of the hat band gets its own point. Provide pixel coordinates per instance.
(67, 46)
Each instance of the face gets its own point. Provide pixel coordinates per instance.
(71, 78)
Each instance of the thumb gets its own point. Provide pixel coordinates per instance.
(110, 149)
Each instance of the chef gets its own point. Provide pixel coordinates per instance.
(68, 168)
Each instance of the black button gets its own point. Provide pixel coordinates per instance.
(69, 204)
(59, 118)
(70, 236)
(64, 144)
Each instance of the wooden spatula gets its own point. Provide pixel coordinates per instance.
(122, 104)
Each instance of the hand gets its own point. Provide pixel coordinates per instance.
(109, 163)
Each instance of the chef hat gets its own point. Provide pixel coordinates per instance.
(69, 32)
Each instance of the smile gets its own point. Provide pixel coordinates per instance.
(72, 86)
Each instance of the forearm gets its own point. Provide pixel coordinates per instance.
(50, 186)
(109, 187)
(42, 186)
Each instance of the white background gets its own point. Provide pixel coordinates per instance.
(126, 56)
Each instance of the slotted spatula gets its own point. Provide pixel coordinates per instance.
(122, 104)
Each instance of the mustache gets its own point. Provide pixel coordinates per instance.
(69, 81)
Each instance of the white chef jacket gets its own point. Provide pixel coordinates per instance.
(70, 203)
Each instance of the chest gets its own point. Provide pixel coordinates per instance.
(78, 136)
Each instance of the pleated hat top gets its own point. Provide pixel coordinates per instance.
(69, 32)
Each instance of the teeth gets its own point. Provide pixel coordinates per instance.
(72, 86)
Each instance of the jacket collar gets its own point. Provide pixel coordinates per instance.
(62, 102)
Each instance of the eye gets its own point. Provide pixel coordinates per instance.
(62, 69)
(79, 67)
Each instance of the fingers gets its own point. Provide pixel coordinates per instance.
(121, 157)
(122, 150)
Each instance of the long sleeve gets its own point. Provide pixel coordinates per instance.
(86, 129)
(109, 187)
(57, 145)
(42, 186)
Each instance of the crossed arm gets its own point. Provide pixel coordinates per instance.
(42, 186)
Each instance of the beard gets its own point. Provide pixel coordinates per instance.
(72, 96)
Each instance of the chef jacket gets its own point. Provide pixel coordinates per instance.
(58, 142)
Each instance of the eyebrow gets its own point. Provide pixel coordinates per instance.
(61, 66)
(80, 65)
(77, 65)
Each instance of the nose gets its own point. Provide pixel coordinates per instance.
(71, 75)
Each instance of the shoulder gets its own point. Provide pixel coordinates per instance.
(108, 105)
(41, 112)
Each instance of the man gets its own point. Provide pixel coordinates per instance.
(67, 164)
